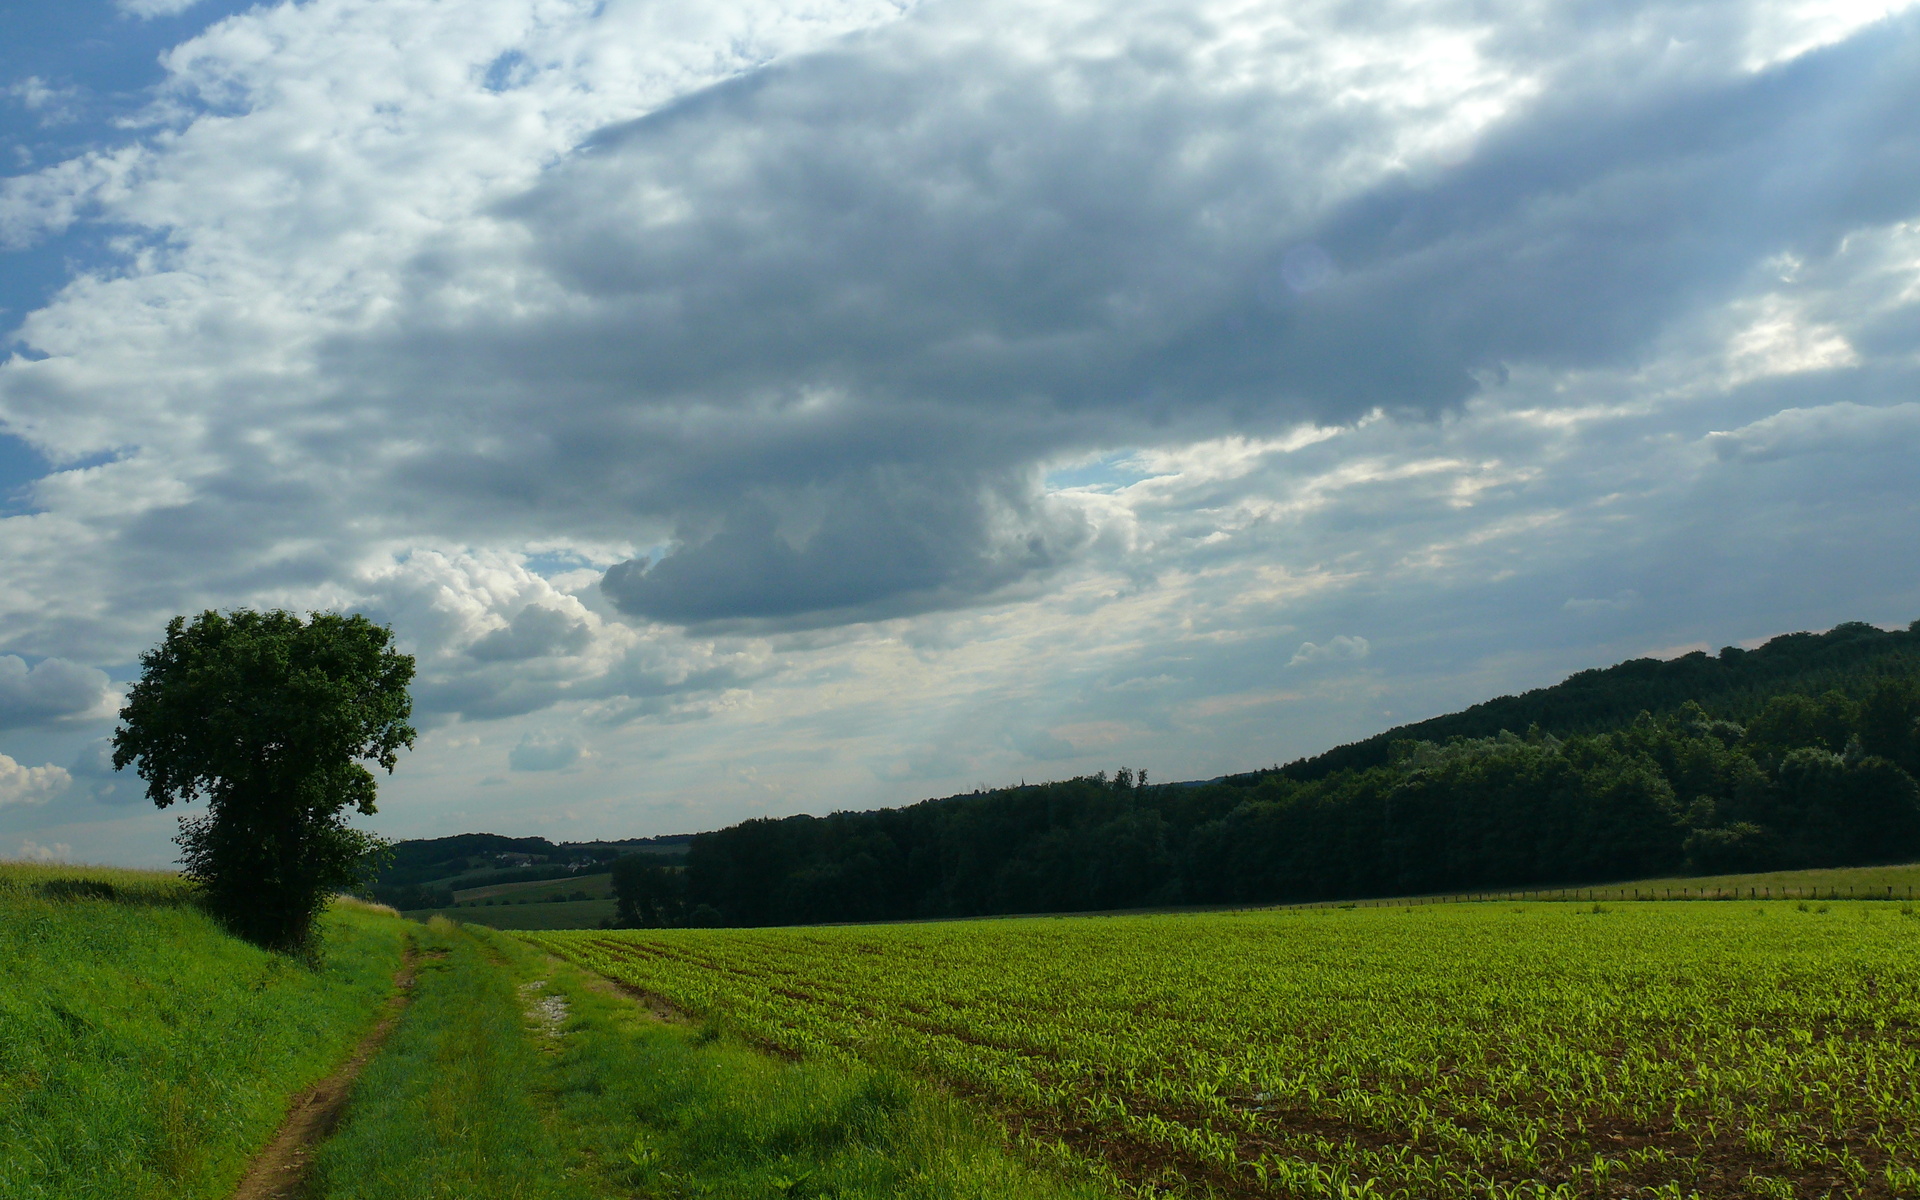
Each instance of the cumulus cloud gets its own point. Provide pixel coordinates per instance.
(51, 690)
(30, 785)
(828, 295)
(536, 631)
(32, 851)
(873, 547)
(720, 365)
(492, 638)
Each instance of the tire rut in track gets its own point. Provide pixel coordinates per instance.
(279, 1171)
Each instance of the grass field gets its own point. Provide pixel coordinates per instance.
(596, 886)
(1472, 1050)
(566, 914)
(1899, 882)
(144, 1052)
(1832, 882)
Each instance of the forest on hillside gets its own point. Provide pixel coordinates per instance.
(1800, 753)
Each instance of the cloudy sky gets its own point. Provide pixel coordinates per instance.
(750, 407)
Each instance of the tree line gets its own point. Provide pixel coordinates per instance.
(1801, 753)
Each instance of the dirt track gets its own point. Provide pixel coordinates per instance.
(279, 1171)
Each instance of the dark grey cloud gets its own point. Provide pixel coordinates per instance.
(94, 776)
(51, 690)
(878, 545)
(536, 631)
(874, 285)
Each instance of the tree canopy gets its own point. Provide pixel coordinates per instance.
(269, 718)
(1801, 753)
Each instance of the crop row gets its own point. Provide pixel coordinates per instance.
(1457, 1051)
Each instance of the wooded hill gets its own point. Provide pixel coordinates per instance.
(1800, 753)
(422, 873)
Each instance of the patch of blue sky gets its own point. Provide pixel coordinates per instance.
(549, 563)
(20, 465)
(507, 72)
(73, 76)
(32, 275)
(72, 71)
(1107, 473)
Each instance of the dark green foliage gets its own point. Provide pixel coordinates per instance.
(650, 896)
(1737, 684)
(1820, 775)
(475, 860)
(266, 716)
(411, 897)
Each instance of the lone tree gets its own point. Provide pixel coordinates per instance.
(266, 716)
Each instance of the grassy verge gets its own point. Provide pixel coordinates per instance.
(145, 1052)
(450, 1107)
(515, 1075)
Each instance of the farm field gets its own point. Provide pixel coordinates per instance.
(1469, 1050)
(1899, 882)
(516, 1076)
(597, 886)
(1869, 882)
(564, 914)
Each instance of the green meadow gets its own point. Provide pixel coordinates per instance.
(144, 1051)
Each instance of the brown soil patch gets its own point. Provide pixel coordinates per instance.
(279, 1172)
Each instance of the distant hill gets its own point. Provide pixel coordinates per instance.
(1735, 684)
(422, 873)
(1801, 753)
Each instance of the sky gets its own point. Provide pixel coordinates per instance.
(768, 406)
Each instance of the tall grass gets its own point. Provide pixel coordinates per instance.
(144, 1051)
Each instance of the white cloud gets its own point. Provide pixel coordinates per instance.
(781, 311)
(32, 851)
(30, 785)
(1339, 648)
(50, 104)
